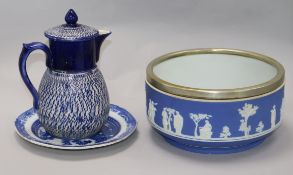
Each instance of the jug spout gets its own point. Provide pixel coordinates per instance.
(99, 40)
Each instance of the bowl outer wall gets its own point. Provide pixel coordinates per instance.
(222, 113)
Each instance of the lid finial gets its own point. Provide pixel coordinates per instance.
(71, 17)
(71, 30)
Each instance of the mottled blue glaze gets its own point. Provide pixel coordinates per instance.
(66, 56)
(75, 56)
(119, 125)
(222, 128)
(73, 105)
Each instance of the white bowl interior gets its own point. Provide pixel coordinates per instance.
(214, 71)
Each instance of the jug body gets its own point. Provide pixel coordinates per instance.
(73, 105)
(70, 104)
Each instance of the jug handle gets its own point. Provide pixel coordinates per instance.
(26, 51)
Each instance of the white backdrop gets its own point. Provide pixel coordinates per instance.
(142, 30)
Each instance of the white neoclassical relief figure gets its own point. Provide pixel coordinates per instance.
(206, 130)
(152, 110)
(246, 112)
(165, 119)
(225, 132)
(273, 116)
(282, 107)
(178, 122)
(171, 117)
(260, 127)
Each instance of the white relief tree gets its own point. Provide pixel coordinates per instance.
(225, 132)
(260, 127)
(273, 116)
(196, 118)
(246, 112)
(152, 110)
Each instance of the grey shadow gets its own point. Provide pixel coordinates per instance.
(76, 155)
(277, 142)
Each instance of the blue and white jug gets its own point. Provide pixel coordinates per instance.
(72, 101)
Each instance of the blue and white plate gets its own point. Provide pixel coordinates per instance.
(119, 126)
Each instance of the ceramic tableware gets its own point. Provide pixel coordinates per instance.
(119, 125)
(72, 101)
(215, 100)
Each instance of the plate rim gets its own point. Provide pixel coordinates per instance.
(129, 130)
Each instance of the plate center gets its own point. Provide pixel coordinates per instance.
(108, 131)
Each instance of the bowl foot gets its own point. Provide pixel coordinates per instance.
(214, 150)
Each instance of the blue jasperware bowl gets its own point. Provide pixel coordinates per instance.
(215, 100)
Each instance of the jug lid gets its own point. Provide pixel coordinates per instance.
(71, 31)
